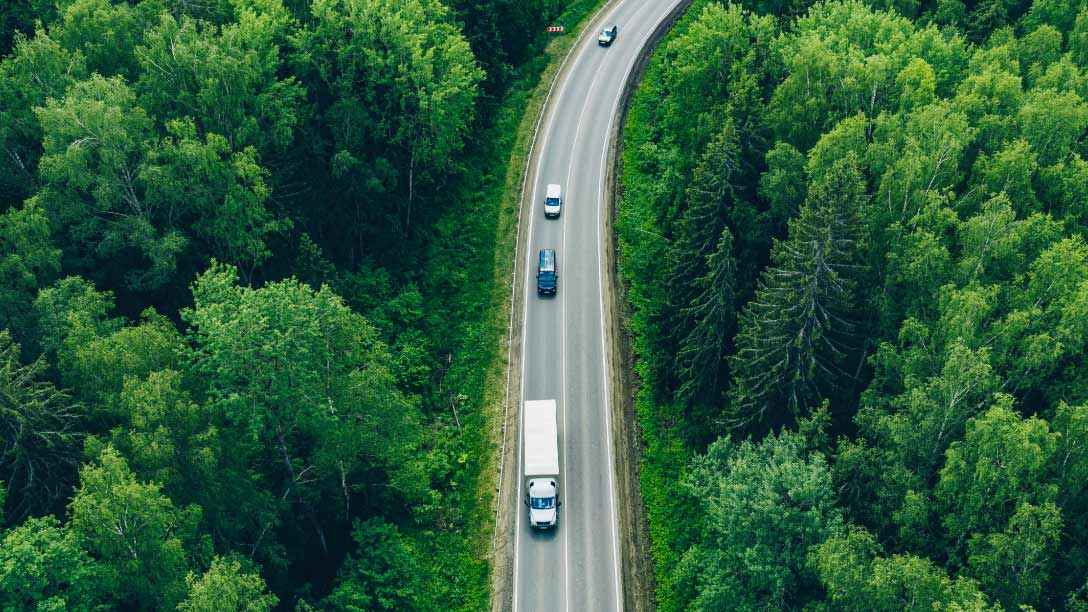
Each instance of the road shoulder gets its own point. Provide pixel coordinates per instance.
(638, 569)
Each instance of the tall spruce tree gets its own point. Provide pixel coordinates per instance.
(697, 233)
(701, 360)
(794, 336)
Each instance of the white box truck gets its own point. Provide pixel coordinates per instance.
(541, 460)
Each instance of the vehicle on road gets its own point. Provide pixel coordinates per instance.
(553, 201)
(547, 273)
(608, 36)
(541, 461)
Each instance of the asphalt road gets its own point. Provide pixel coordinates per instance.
(577, 566)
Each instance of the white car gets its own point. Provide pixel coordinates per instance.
(553, 201)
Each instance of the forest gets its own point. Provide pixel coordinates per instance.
(853, 243)
(248, 298)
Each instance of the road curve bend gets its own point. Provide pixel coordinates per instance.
(563, 353)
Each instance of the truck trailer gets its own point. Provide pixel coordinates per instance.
(540, 459)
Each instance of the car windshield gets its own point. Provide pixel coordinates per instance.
(606, 33)
(542, 503)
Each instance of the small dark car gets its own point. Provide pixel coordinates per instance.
(547, 273)
(608, 36)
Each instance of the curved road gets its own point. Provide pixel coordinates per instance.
(576, 566)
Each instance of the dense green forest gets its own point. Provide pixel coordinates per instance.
(853, 242)
(248, 298)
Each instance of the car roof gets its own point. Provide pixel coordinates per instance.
(547, 258)
(554, 190)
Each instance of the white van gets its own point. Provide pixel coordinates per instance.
(553, 201)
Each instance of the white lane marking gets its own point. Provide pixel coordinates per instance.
(549, 110)
(606, 380)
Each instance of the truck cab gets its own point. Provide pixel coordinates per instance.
(553, 201)
(547, 273)
(543, 502)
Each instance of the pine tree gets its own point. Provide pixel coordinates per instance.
(794, 336)
(697, 232)
(40, 435)
(701, 365)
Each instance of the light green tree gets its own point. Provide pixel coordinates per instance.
(1053, 121)
(859, 579)
(43, 567)
(28, 261)
(226, 587)
(38, 68)
(398, 84)
(135, 531)
(1015, 564)
(225, 79)
(219, 195)
(304, 390)
(998, 466)
(105, 32)
(766, 505)
(96, 138)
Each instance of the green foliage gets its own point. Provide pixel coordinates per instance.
(384, 577)
(1015, 564)
(144, 542)
(701, 274)
(997, 467)
(225, 586)
(219, 193)
(858, 579)
(1053, 122)
(793, 341)
(95, 139)
(702, 353)
(28, 260)
(43, 567)
(305, 379)
(936, 333)
(396, 83)
(105, 32)
(39, 68)
(39, 435)
(497, 29)
(224, 79)
(764, 506)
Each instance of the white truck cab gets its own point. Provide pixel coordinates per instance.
(543, 504)
(553, 201)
